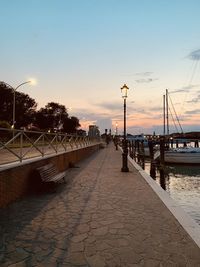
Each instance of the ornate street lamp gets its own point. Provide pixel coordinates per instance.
(124, 90)
(116, 131)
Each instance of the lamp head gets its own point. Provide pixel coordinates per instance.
(124, 90)
(32, 81)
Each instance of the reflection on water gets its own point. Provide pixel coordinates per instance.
(182, 182)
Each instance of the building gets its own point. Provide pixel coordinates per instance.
(93, 131)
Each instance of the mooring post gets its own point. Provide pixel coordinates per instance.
(172, 142)
(162, 151)
(150, 144)
(176, 143)
(130, 149)
(196, 143)
(162, 178)
(153, 165)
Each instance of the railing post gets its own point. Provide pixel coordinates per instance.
(21, 145)
(43, 145)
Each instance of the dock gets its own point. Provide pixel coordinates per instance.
(101, 217)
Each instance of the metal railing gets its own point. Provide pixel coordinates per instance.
(20, 145)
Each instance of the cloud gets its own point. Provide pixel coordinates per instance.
(147, 80)
(194, 55)
(110, 106)
(146, 73)
(194, 111)
(117, 107)
(179, 91)
(159, 129)
(194, 100)
(156, 109)
(184, 89)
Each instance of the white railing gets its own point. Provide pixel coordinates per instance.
(20, 145)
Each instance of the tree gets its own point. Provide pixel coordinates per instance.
(71, 125)
(51, 117)
(54, 117)
(4, 124)
(24, 106)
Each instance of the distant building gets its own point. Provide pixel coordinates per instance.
(81, 132)
(93, 131)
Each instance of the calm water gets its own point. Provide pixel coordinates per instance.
(183, 185)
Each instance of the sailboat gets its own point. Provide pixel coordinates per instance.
(182, 155)
(185, 155)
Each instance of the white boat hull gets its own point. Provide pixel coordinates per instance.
(182, 157)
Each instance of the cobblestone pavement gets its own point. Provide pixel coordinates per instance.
(100, 218)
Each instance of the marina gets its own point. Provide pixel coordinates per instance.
(181, 182)
(174, 165)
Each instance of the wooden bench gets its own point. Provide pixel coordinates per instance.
(49, 173)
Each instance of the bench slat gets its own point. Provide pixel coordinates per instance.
(49, 173)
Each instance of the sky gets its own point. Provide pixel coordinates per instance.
(81, 52)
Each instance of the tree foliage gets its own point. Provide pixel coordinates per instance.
(54, 117)
(24, 106)
(71, 125)
(51, 116)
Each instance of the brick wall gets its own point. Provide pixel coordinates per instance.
(15, 182)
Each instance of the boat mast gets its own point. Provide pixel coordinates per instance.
(167, 112)
(164, 115)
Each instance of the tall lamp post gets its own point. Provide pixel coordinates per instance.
(124, 90)
(116, 132)
(14, 91)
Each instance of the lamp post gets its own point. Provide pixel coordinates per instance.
(116, 132)
(14, 91)
(124, 90)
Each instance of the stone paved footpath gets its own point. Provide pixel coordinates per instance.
(100, 218)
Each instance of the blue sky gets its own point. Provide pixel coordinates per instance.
(82, 52)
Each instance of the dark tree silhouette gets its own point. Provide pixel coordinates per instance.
(71, 125)
(24, 106)
(51, 117)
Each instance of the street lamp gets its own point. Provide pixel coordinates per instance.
(116, 131)
(124, 90)
(14, 90)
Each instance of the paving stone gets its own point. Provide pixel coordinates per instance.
(77, 258)
(100, 231)
(90, 239)
(79, 238)
(83, 228)
(19, 264)
(102, 218)
(76, 247)
(96, 261)
(90, 250)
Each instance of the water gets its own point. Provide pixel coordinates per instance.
(182, 182)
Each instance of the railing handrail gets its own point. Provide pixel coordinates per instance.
(45, 143)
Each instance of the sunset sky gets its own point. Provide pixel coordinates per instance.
(82, 51)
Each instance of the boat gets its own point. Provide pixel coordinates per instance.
(181, 155)
(141, 138)
(185, 155)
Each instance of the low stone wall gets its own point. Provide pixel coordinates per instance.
(15, 181)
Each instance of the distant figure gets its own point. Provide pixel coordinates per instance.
(115, 140)
(107, 139)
